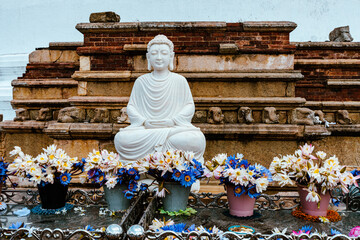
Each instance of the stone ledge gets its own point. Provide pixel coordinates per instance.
(345, 129)
(266, 75)
(38, 103)
(269, 26)
(250, 26)
(65, 45)
(135, 47)
(343, 82)
(328, 105)
(200, 102)
(23, 127)
(326, 45)
(324, 62)
(51, 82)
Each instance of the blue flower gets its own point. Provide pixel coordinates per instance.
(306, 229)
(180, 227)
(191, 228)
(239, 190)
(121, 171)
(187, 179)
(100, 178)
(17, 225)
(143, 187)
(65, 178)
(93, 173)
(334, 232)
(132, 185)
(335, 201)
(243, 164)
(129, 194)
(231, 161)
(176, 175)
(89, 228)
(132, 171)
(252, 195)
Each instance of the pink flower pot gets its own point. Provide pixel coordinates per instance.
(311, 208)
(242, 206)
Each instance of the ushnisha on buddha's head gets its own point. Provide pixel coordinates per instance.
(160, 54)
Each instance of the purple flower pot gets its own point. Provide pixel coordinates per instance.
(53, 196)
(242, 206)
(311, 208)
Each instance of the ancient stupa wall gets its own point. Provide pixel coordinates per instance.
(242, 77)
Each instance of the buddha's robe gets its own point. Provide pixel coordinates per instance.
(154, 99)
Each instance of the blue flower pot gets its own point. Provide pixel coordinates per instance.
(177, 198)
(115, 198)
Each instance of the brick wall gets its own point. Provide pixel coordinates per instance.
(49, 70)
(327, 61)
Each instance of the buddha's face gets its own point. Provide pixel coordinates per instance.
(159, 56)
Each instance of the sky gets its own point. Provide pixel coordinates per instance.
(28, 24)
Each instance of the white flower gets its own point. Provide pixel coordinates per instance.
(16, 151)
(239, 156)
(261, 184)
(321, 154)
(111, 182)
(220, 158)
(283, 179)
(312, 196)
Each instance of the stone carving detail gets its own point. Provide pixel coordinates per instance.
(215, 115)
(320, 115)
(200, 117)
(45, 114)
(302, 116)
(245, 115)
(22, 114)
(124, 118)
(340, 34)
(270, 116)
(101, 115)
(71, 114)
(342, 117)
(103, 17)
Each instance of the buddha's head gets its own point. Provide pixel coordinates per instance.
(160, 53)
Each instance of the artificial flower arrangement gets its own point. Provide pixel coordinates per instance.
(248, 179)
(52, 165)
(316, 172)
(171, 166)
(105, 168)
(169, 225)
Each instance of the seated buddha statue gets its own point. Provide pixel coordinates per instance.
(160, 110)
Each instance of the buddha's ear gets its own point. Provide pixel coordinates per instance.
(148, 62)
(171, 64)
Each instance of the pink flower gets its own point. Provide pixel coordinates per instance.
(355, 232)
(217, 172)
(306, 150)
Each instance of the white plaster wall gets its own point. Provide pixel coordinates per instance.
(25, 25)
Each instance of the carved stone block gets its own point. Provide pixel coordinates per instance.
(215, 115)
(124, 118)
(245, 115)
(199, 117)
(320, 115)
(302, 116)
(103, 17)
(270, 116)
(342, 117)
(22, 114)
(101, 115)
(45, 114)
(71, 114)
(340, 34)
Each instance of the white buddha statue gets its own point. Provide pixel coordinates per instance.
(160, 110)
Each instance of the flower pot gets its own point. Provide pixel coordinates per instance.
(242, 206)
(115, 198)
(177, 197)
(53, 196)
(311, 208)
